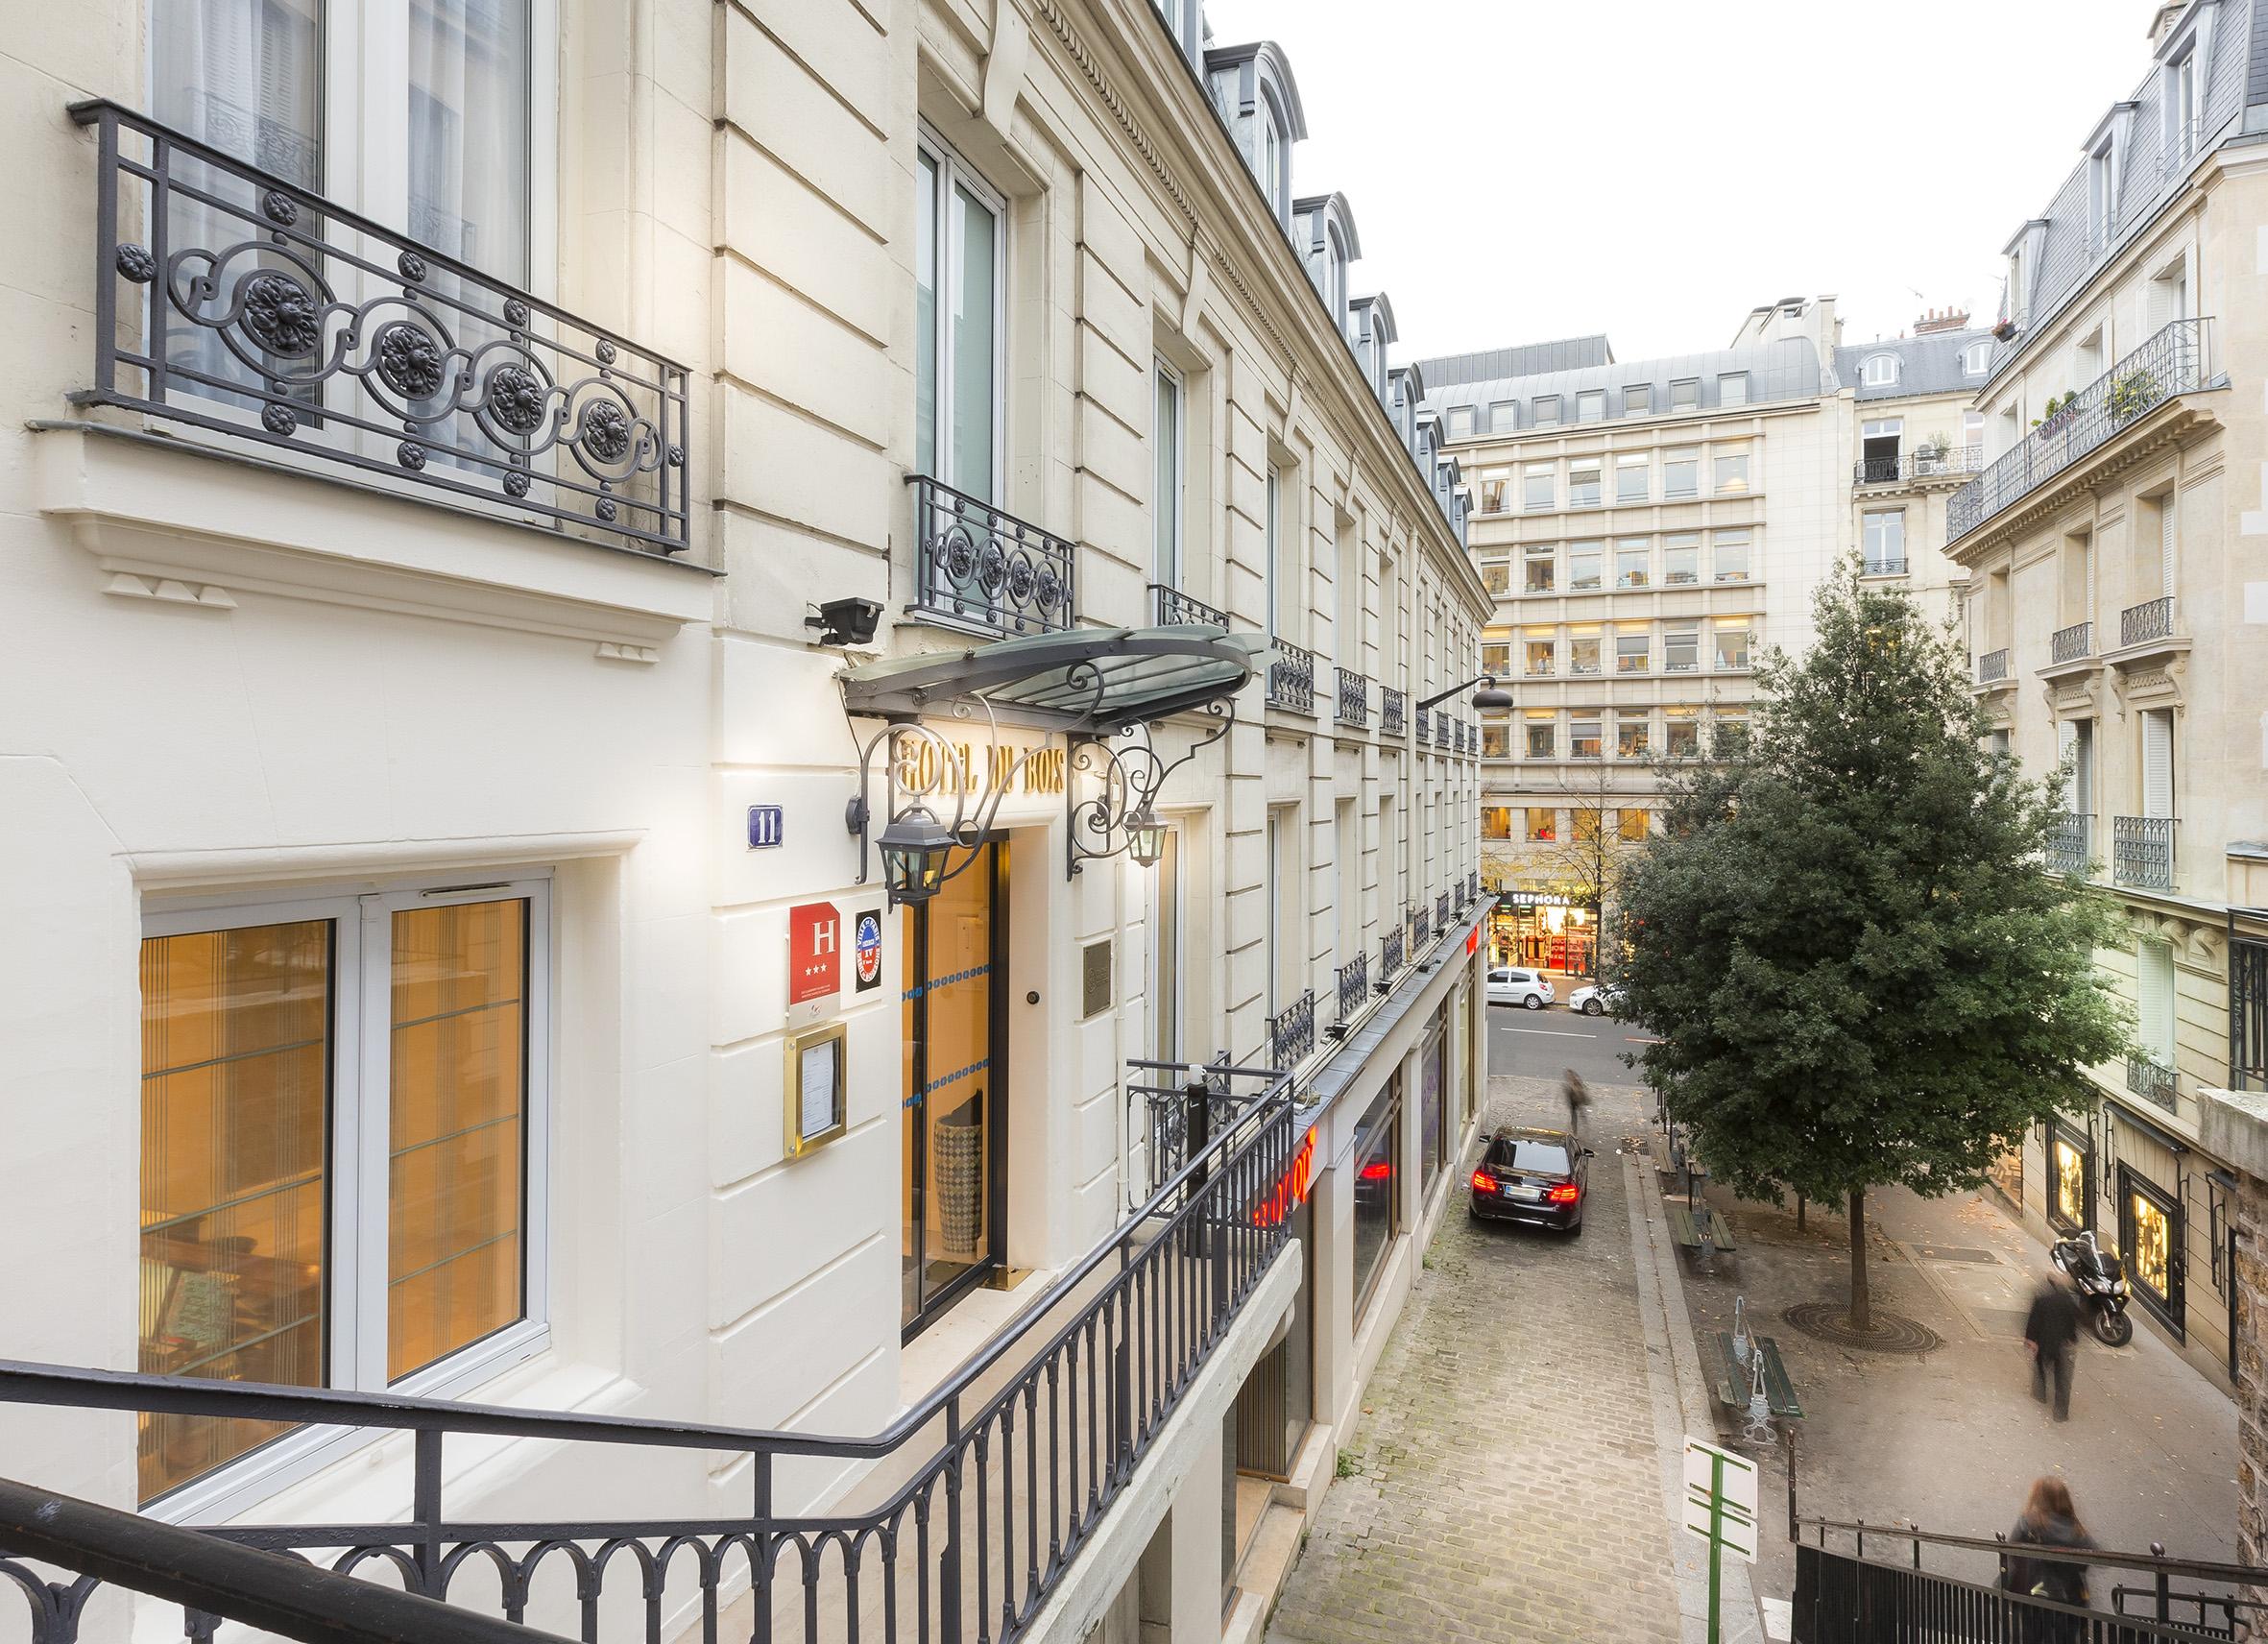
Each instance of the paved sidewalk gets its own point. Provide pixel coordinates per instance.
(1507, 1468)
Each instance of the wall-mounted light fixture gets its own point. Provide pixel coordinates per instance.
(1487, 697)
(1122, 815)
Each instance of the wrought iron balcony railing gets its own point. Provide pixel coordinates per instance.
(234, 300)
(1441, 730)
(1951, 461)
(1390, 707)
(2150, 1079)
(1425, 726)
(1170, 608)
(2071, 845)
(1884, 565)
(1354, 991)
(2173, 361)
(1422, 927)
(2152, 620)
(1441, 913)
(1389, 957)
(989, 1485)
(1472, 887)
(1993, 666)
(1292, 1032)
(2142, 851)
(1354, 697)
(1291, 677)
(975, 567)
(2072, 643)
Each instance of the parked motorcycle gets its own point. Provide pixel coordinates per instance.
(2101, 1283)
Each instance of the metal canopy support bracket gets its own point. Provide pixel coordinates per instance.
(1131, 779)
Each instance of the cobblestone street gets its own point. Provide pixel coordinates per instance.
(1507, 1478)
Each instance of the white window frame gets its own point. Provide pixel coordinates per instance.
(1590, 405)
(952, 170)
(1732, 388)
(1504, 415)
(1880, 371)
(1976, 358)
(1539, 420)
(1645, 400)
(2102, 192)
(1685, 394)
(1167, 535)
(1641, 464)
(1461, 415)
(1871, 524)
(356, 1163)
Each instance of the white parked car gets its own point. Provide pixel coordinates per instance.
(1597, 998)
(1531, 990)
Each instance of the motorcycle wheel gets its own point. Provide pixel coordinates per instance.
(2116, 1329)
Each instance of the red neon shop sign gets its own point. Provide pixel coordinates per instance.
(1291, 1191)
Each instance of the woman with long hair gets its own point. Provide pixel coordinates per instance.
(2050, 1519)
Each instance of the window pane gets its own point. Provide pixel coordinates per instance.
(469, 132)
(1680, 560)
(974, 343)
(1684, 394)
(1582, 484)
(1732, 388)
(235, 1097)
(925, 321)
(1731, 548)
(1633, 557)
(456, 1128)
(1166, 502)
(1680, 474)
(1732, 472)
(1631, 824)
(1543, 825)
(1537, 492)
(1584, 566)
(1630, 480)
(1637, 399)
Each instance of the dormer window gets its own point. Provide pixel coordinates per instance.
(1878, 371)
(1461, 422)
(1335, 274)
(1503, 417)
(2181, 106)
(2102, 196)
(1272, 169)
(1976, 359)
(1547, 410)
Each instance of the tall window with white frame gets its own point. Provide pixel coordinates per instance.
(1275, 571)
(959, 252)
(1166, 966)
(343, 1120)
(1884, 542)
(1169, 445)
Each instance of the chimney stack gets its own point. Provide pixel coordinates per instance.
(1941, 319)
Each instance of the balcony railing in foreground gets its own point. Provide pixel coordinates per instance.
(1391, 708)
(234, 300)
(1354, 697)
(975, 567)
(2070, 843)
(1291, 677)
(2142, 851)
(1171, 608)
(2172, 361)
(986, 1489)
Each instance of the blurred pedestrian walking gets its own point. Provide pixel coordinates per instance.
(2051, 1333)
(2049, 1519)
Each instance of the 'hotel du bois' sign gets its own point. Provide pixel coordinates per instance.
(814, 951)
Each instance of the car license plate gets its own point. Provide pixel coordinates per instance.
(1528, 1194)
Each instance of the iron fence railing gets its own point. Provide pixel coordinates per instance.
(236, 301)
(1390, 710)
(1441, 730)
(975, 567)
(1842, 1598)
(2150, 1079)
(1000, 1487)
(1291, 677)
(1472, 889)
(1183, 1106)
(1425, 726)
(1421, 928)
(1952, 460)
(1389, 956)
(1354, 991)
(2152, 620)
(2173, 361)
(1170, 608)
(2070, 645)
(2248, 1014)
(1292, 1032)
(1441, 913)
(2070, 843)
(1884, 565)
(1354, 697)
(1993, 666)
(2142, 851)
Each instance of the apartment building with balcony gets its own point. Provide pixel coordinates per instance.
(1646, 528)
(2119, 631)
(714, 750)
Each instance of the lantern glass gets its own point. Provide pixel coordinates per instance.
(913, 849)
(1145, 839)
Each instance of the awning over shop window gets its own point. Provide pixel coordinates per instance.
(1090, 679)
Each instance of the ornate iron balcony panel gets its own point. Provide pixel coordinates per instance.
(1173, 609)
(1354, 697)
(2153, 619)
(1885, 566)
(1993, 666)
(978, 568)
(1354, 988)
(1472, 887)
(1425, 726)
(2142, 851)
(1441, 913)
(2070, 645)
(1291, 677)
(1421, 928)
(1292, 1032)
(2152, 1080)
(1952, 460)
(2173, 361)
(237, 301)
(2071, 844)
(1389, 957)
(1391, 704)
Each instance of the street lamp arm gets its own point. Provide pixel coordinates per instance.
(1486, 679)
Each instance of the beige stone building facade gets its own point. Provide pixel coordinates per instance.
(746, 715)
(2118, 619)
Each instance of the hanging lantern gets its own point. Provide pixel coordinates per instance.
(1145, 838)
(914, 847)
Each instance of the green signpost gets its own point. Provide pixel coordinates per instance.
(1719, 1505)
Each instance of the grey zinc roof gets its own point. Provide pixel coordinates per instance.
(1785, 370)
(1929, 364)
(1529, 360)
(2236, 72)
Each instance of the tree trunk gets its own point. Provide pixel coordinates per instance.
(1862, 1317)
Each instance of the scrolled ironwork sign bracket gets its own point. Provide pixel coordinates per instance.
(1128, 782)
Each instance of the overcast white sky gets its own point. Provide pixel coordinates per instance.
(1653, 169)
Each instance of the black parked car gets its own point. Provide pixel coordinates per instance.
(1531, 1175)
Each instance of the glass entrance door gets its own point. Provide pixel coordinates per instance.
(952, 949)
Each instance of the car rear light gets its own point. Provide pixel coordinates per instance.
(1566, 1192)
(1483, 1182)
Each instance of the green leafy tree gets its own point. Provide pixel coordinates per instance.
(1857, 968)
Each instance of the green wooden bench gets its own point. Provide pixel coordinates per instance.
(1686, 1227)
(1728, 1380)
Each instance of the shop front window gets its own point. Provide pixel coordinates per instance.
(1432, 1095)
(2150, 1230)
(1377, 1189)
(2068, 1196)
